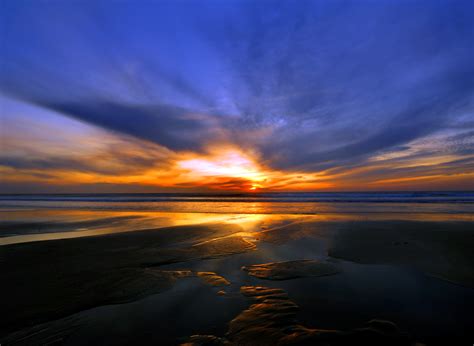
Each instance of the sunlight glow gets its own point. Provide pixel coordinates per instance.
(230, 163)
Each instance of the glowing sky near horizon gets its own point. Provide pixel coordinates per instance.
(150, 96)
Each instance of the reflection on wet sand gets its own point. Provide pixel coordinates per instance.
(20, 226)
(148, 253)
(90, 223)
(70, 275)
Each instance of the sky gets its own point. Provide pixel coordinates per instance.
(213, 95)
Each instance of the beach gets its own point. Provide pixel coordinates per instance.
(237, 173)
(85, 270)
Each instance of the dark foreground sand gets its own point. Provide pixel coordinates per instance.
(444, 250)
(272, 319)
(53, 280)
(441, 249)
(47, 280)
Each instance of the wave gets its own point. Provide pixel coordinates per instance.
(275, 197)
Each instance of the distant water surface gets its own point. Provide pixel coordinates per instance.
(53, 216)
(286, 203)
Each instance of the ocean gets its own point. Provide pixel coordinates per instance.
(275, 202)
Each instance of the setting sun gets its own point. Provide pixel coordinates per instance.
(230, 163)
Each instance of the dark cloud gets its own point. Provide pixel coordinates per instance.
(172, 127)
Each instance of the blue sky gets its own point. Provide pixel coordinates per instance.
(359, 91)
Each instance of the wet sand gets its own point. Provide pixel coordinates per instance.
(291, 269)
(444, 250)
(47, 280)
(52, 290)
(272, 319)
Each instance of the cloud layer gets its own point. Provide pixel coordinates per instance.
(357, 92)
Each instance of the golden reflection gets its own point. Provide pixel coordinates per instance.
(250, 224)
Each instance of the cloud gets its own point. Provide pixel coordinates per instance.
(172, 127)
(313, 86)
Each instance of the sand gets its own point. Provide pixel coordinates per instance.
(47, 280)
(440, 249)
(213, 279)
(272, 320)
(291, 269)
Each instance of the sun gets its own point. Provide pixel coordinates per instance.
(230, 163)
(255, 187)
(235, 169)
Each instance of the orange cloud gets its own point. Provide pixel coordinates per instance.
(103, 158)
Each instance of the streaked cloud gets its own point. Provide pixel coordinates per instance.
(314, 95)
